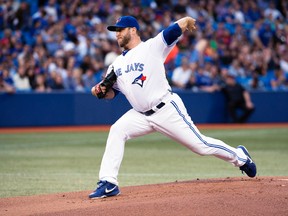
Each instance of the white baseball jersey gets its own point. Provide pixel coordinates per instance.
(141, 74)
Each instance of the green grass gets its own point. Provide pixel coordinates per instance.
(41, 163)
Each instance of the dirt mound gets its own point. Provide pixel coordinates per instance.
(230, 196)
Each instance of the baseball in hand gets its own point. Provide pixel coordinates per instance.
(96, 90)
(93, 90)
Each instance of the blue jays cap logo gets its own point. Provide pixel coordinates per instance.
(124, 22)
(118, 20)
(139, 80)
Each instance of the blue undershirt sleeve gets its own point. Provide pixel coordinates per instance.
(172, 33)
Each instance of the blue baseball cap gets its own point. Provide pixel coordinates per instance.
(125, 22)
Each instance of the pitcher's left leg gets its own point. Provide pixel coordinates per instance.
(179, 126)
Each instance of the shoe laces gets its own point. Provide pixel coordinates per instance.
(245, 167)
(101, 183)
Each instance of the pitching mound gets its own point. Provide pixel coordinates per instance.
(230, 196)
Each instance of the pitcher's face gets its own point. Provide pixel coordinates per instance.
(123, 36)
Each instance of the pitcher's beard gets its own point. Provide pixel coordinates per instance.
(125, 41)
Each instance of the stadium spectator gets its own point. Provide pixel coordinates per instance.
(56, 81)
(51, 8)
(204, 80)
(40, 83)
(69, 81)
(77, 76)
(216, 78)
(238, 13)
(22, 19)
(191, 85)
(266, 34)
(254, 83)
(89, 79)
(21, 80)
(252, 11)
(181, 74)
(236, 68)
(272, 13)
(6, 83)
(254, 34)
(279, 80)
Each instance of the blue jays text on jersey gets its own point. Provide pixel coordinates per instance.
(131, 68)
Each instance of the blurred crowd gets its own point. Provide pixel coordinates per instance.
(50, 45)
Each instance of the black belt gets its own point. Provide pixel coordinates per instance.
(151, 111)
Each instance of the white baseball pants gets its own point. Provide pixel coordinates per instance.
(171, 120)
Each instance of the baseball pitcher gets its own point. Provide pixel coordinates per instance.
(140, 75)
